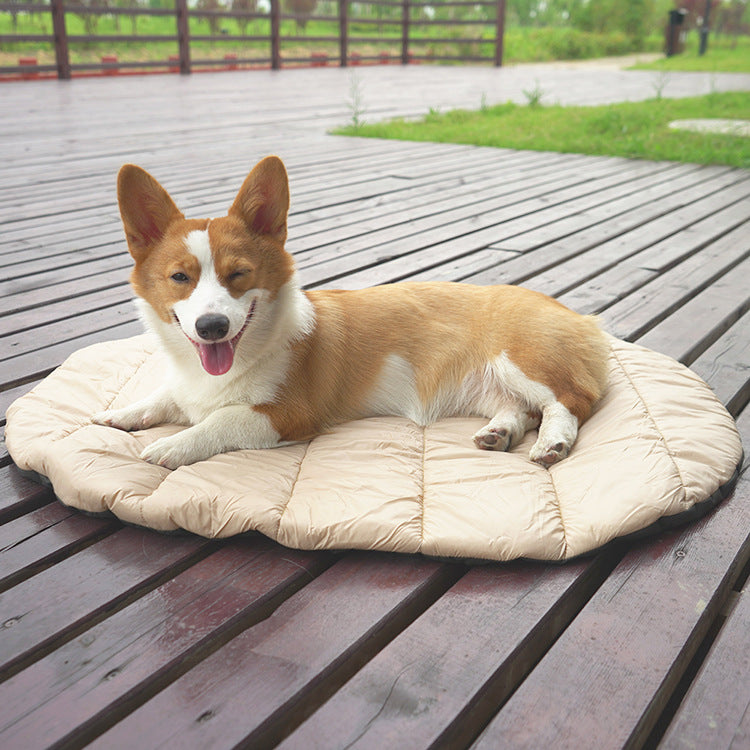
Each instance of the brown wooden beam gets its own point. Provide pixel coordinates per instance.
(62, 55)
(183, 35)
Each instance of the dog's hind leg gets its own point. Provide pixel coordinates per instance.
(506, 428)
(559, 428)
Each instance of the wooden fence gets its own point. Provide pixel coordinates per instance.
(408, 21)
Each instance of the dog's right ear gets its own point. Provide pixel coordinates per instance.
(146, 209)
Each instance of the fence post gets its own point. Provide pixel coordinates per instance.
(343, 32)
(405, 33)
(62, 56)
(183, 35)
(499, 32)
(275, 34)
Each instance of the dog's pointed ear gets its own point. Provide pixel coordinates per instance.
(146, 209)
(263, 200)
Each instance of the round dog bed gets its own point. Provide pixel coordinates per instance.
(658, 446)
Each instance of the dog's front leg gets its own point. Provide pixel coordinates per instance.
(227, 429)
(158, 408)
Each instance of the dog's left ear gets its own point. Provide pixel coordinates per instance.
(263, 200)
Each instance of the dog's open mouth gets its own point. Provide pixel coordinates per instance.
(217, 357)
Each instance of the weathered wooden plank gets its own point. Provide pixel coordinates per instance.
(44, 611)
(41, 362)
(716, 710)
(218, 179)
(27, 342)
(87, 684)
(725, 366)
(107, 157)
(622, 213)
(18, 531)
(89, 199)
(95, 175)
(30, 263)
(677, 187)
(457, 268)
(632, 297)
(9, 396)
(24, 284)
(90, 241)
(441, 176)
(443, 677)
(631, 232)
(392, 211)
(459, 220)
(695, 326)
(39, 230)
(40, 317)
(19, 495)
(37, 244)
(64, 290)
(43, 537)
(289, 664)
(572, 272)
(488, 226)
(607, 679)
(102, 151)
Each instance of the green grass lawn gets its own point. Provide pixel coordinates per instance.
(724, 53)
(633, 129)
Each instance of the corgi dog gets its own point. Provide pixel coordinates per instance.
(256, 362)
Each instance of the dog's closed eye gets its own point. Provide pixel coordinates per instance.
(238, 274)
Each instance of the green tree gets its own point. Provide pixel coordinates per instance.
(246, 6)
(90, 20)
(213, 21)
(303, 9)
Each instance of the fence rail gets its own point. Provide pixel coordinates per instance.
(410, 34)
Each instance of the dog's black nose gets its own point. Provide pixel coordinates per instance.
(212, 326)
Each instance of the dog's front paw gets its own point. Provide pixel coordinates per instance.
(547, 455)
(130, 418)
(174, 451)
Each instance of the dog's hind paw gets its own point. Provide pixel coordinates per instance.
(493, 438)
(550, 454)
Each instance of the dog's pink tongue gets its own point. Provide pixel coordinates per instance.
(216, 358)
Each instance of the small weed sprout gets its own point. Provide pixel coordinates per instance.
(483, 106)
(534, 96)
(433, 115)
(660, 82)
(355, 102)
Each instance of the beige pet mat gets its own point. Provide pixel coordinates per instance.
(659, 446)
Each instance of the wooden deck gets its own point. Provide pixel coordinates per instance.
(121, 637)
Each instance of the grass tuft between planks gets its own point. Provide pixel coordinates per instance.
(637, 130)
